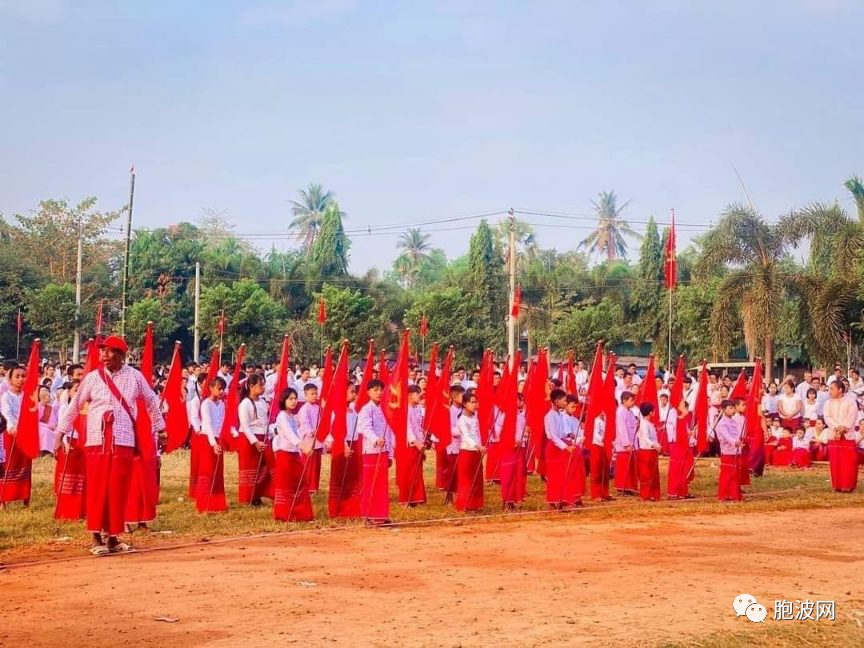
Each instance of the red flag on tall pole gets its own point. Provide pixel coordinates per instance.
(509, 407)
(395, 401)
(437, 419)
(222, 326)
(671, 258)
(232, 402)
(20, 323)
(677, 392)
(485, 396)
(424, 326)
(327, 371)
(28, 420)
(753, 416)
(143, 425)
(537, 402)
(334, 404)
(281, 378)
(517, 302)
(648, 391)
(322, 311)
(700, 411)
(92, 361)
(594, 403)
(739, 389)
(177, 416)
(609, 405)
(570, 384)
(362, 396)
(383, 369)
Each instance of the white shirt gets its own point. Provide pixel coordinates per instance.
(599, 432)
(372, 425)
(469, 432)
(212, 418)
(193, 409)
(573, 427)
(288, 437)
(555, 428)
(647, 435)
(456, 443)
(10, 406)
(253, 418)
(800, 444)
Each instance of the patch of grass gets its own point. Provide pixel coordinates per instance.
(26, 530)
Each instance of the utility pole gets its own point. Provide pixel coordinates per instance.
(126, 262)
(76, 345)
(511, 321)
(197, 332)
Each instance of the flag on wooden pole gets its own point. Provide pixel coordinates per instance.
(28, 420)
(671, 258)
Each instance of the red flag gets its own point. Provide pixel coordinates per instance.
(395, 401)
(334, 404)
(281, 378)
(485, 396)
(424, 326)
(322, 311)
(362, 396)
(383, 369)
(739, 389)
(177, 416)
(671, 259)
(143, 425)
(431, 372)
(91, 363)
(648, 391)
(560, 376)
(438, 404)
(594, 403)
(509, 387)
(500, 393)
(700, 411)
(28, 420)
(20, 322)
(537, 402)
(517, 302)
(609, 405)
(753, 416)
(232, 402)
(222, 327)
(677, 391)
(99, 318)
(212, 372)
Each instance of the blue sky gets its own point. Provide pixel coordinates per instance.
(414, 111)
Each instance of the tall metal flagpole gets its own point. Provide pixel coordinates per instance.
(126, 255)
(511, 321)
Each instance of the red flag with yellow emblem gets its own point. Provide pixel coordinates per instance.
(395, 402)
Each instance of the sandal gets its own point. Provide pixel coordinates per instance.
(120, 547)
(99, 550)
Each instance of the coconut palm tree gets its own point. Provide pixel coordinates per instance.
(415, 249)
(758, 280)
(855, 185)
(308, 213)
(526, 242)
(609, 237)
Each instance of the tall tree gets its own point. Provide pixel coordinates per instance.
(855, 185)
(415, 249)
(753, 291)
(610, 236)
(329, 256)
(526, 241)
(309, 213)
(648, 291)
(486, 272)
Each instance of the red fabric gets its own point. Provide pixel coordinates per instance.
(143, 493)
(486, 397)
(322, 311)
(232, 402)
(254, 463)
(424, 327)
(609, 405)
(395, 401)
(281, 378)
(671, 266)
(680, 463)
(383, 369)
(739, 389)
(375, 493)
(345, 473)
(177, 417)
(362, 396)
(291, 501)
(16, 483)
(677, 391)
(210, 485)
(626, 471)
(109, 472)
(728, 487)
(409, 473)
(28, 420)
(193, 465)
(744, 466)
(649, 474)
(599, 473)
(801, 457)
(442, 467)
(700, 411)
(517, 302)
(508, 404)
(770, 448)
(493, 462)
(843, 461)
(334, 407)
(791, 424)
(783, 453)
(513, 475)
(313, 470)
(469, 489)
(648, 393)
(819, 451)
(565, 482)
(438, 406)
(69, 484)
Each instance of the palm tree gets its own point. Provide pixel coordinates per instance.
(415, 249)
(855, 185)
(752, 292)
(308, 213)
(609, 237)
(526, 241)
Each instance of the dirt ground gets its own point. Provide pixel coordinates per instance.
(560, 581)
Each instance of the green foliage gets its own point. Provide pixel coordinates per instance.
(582, 327)
(351, 315)
(486, 274)
(52, 314)
(329, 252)
(163, 314)
(253, 318)
(612, 230)
(648, 290)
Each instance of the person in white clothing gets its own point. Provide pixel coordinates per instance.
(292, 501)
(254, 454)
(210, 484)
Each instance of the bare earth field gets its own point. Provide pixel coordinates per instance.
(562, 580)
